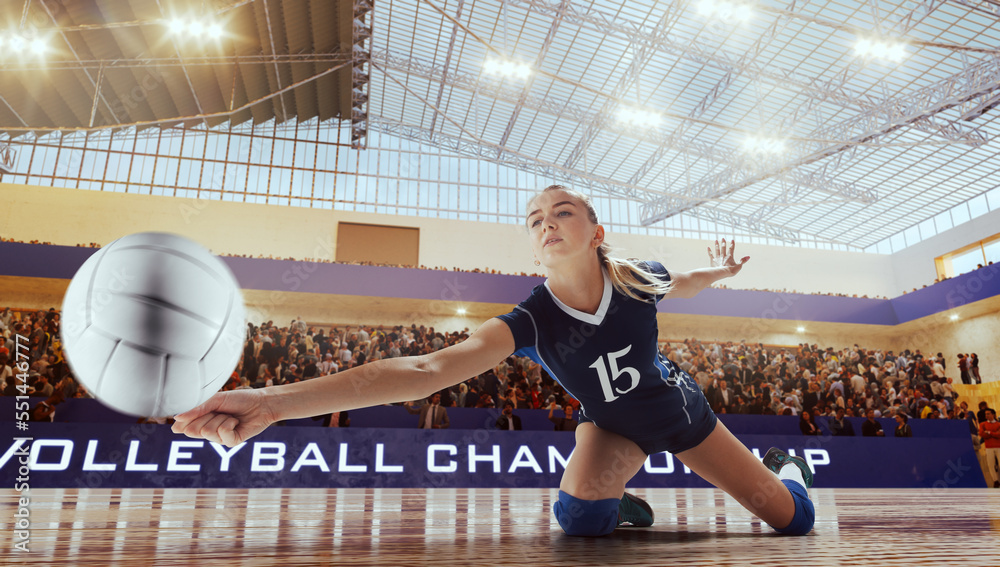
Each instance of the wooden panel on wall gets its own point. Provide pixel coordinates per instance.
(381, 244)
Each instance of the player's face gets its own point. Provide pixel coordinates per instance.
(560, 229)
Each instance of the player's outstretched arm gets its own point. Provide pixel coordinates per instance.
(724, 265)
(230, 418)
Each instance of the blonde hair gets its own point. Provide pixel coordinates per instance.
(627, 276)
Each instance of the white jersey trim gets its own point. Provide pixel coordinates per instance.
(596, 318)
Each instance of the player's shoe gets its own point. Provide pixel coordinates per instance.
(634, 511)
(776, 458)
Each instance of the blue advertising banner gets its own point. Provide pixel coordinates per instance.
(60, 455)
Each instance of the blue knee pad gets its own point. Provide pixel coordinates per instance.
(805, 514)
(586, 517)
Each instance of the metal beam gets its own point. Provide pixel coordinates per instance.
(713, 95)
(447, 63)
(7, 157)
(277, 71)
(77, 57)
(984, 6)
(417, 67)
(676, 141)
(973, 82)
(644, 53)
(187, 77)
(531, 79)
(159, 62)
(361, 42)
(834, 92)
(575, 178)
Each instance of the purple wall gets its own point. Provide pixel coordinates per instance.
(44, 261)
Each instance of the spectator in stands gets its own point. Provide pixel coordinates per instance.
(41, 387)
(963, 369)
(840, 426)
(871, 427)
(719, 396)
(981, 414)
(974, 366)
(432, 415)
(46, 409)
(902, 427)
(564, 422)
(807, 424)
(328, 366)
(508, 420)
(989, 432)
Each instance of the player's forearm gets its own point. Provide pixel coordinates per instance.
(690, 284)
(381, 382)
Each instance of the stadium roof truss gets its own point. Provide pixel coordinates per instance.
(768, 118)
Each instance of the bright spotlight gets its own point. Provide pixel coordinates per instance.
(215, 31)
(195, 28)
(177, 26)
(954, 317)
(875, 48)
(800, 329)
(461, 311)
(763, 145)
(726, 10)
(638, 117)
(507, 68)
(17, 43)
(38, 46)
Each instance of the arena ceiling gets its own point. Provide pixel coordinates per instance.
(100, 58)
(769, 117)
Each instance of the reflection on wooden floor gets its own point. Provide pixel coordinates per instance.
(444, 527)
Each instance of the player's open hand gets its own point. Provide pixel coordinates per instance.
(723, 257)
(227, 418)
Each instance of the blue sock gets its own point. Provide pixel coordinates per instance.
(586, 517)
(805, 514)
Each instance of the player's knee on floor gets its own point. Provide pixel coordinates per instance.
(805, 514)
(586, 517)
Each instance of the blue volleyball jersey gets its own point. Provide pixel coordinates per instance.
(610, 361)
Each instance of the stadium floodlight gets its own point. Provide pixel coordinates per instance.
(726, 10)
(639, 117)
(196, 28)
(16, 43)
(880, 48)
(800, 329)
(507, 68)
(954, 316)
(38, 46)
(764, 145)
(177, 26)
(461, 311)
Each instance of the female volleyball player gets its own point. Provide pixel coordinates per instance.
(634, 401)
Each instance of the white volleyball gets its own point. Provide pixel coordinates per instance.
(153, 324)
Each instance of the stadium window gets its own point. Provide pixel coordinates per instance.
(960, 214)
(968, 258)
(978, 206)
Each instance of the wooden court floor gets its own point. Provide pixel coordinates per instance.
(444, 527)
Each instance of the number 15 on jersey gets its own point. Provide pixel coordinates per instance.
(608, 379)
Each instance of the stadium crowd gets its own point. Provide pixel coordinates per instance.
(807, 380)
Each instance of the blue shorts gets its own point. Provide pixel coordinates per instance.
(676, 434)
